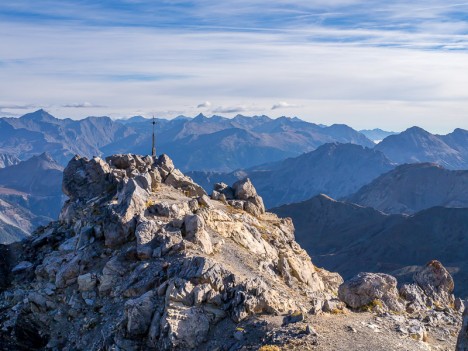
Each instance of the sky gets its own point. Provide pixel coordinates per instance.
(387, 64)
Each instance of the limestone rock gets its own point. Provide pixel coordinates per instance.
(139, 313)
(142, 259)
(145, 233)
(195, 232)
(414, 296)
(244, 190)
(436, 282)
(371, 290)
(223, 189)
(85, 179)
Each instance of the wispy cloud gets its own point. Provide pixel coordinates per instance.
(82, 105)
(230, 109)
(17, 107)
(205, 104)
(283, 104)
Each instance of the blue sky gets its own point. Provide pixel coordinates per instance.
(389, 64)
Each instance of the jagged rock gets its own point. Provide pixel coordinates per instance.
(166, 209)
(184, 327)
(244, 190)
(132, 199)
(68, 273)
(223, 189)
(333, 305)
(195, 232)
(415, 298)
(86, 282)
(132, 262)
(22, 266)
(417, 331)
(139, 313)
(437, 283)
(331, 280)
(371, 290)
(294, 317)
(85, 179)
(204, 201)
(462, 342)
(459, 305)
(145, 233)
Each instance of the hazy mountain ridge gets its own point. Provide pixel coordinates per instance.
(262, 137)
(376, 134)
(243, 141)
(416, 145)
(38, 132)
(30, 195)
(336, 233)
(335, 169)
(414, 187)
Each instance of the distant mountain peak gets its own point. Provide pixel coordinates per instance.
(416, 130)
(39, 115)
(200, 117)
(46, 157)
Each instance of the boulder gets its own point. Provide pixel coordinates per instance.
(437, 283)
(414, 297)
(139, 313)
(195, 231)
(371, 291)
(85, 179)
(119, 161)
(220, 189)
(244, 190)
(132, 199)
(145, 233)
(87, 282)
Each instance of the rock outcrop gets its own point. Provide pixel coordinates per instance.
(432, 288)
(371, 290)
(142, 259)
(242, 195)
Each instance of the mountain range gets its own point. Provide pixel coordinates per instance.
(377, 134)
(417, 145)
(334, 169)
(30, 195)
(349, 238)
(411, 188)
(240, 142)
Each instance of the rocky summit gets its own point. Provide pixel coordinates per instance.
(142, 259)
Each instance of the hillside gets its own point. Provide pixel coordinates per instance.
(414, 187)
(30, 195)
(8, 160)
(336, 233)
(416, 145)
(334, 169)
